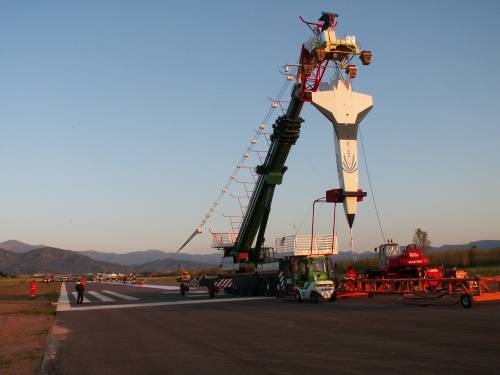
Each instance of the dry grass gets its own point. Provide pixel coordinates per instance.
(486, 271)
(24, 324)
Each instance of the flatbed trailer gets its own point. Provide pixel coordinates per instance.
(469, 290)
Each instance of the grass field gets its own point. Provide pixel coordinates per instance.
(24, 324)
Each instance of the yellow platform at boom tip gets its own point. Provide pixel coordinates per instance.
(330, 43)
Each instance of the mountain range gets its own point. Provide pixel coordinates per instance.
(52, 260)
(19, 257)
(136, 258)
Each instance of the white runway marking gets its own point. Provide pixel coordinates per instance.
(153, 286)
(165, 287)
(100, 296)
(119, 295)
(190, 292)
(85, 299)
(63, 302)
(153, 304)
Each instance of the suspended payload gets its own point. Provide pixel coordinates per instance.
(345, 109)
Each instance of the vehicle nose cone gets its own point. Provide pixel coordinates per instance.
(350, 219)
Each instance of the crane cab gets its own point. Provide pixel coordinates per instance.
(395, 262)
(387, 251)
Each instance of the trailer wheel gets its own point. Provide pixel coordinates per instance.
(298, 298)
(466, 301)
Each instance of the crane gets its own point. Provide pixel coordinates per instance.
(253, 267)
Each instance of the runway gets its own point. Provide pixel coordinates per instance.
(270, 336)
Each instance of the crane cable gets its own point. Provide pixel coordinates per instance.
(258, 132)
(371, 187)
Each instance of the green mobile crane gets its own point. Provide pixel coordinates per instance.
(295, 266)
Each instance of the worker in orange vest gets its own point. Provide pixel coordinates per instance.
(350, 273)
(33, 289)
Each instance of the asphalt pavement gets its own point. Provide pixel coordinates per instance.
(160, 332)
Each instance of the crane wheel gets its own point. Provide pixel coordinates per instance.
(466, 301)
(298, 298)
(211, 291)
(267, 290)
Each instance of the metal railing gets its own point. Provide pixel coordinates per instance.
(221, 240)
(303, 244)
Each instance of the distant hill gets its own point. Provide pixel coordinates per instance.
(136, 258)
(168, 265)
(484, 244)
(52, 260)
(19, 257)
(8, 260)
(347, 255)
(128, 259)
(18, 246)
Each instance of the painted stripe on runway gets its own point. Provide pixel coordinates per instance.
(152, 286)
(190, 292)
(154, 304)
(85, 299)
(100, 296)
(63, 301)
(119, 295)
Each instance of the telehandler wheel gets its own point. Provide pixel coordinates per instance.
(298, 298)
(466, 301)
(315, 297)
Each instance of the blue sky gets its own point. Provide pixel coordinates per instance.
(121, 120)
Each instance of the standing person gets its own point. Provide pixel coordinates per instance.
(33, 289)
(79, 289)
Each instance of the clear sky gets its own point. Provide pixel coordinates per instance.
(120, 121)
